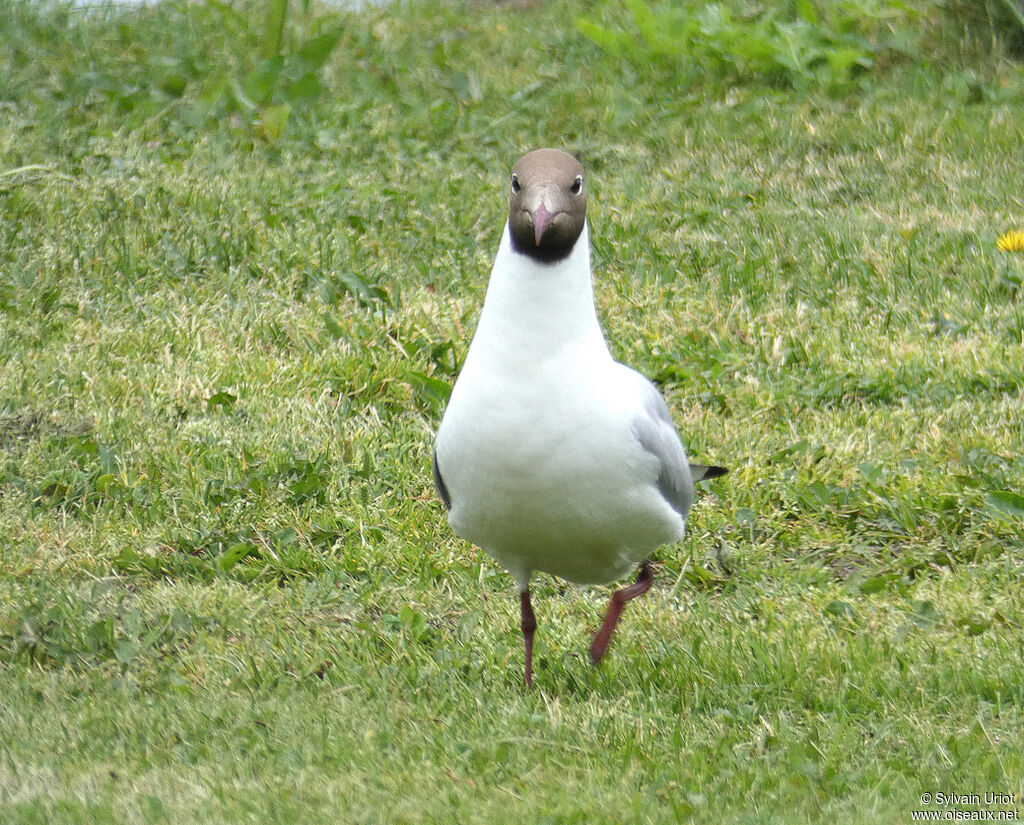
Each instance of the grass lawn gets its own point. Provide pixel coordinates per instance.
(234, 293)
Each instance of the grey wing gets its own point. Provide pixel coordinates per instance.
(657, 435)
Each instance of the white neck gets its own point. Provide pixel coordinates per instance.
(536, 311)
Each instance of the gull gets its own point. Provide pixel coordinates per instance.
(551, 455)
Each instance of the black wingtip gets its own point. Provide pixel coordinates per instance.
(442, 489)
(704, 472)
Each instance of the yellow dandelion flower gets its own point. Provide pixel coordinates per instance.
(1012, 241)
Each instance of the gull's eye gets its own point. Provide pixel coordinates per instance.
(577, 185)
(515, 183)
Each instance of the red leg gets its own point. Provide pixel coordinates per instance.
(615, 607)
(528, 623)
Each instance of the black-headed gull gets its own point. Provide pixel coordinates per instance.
(551, 455)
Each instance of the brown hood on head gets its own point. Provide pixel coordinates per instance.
(548, 204)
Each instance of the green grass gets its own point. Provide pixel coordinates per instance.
(229, 593)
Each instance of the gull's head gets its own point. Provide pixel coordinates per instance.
(547, 204)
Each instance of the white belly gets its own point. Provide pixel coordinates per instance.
(556, 481)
